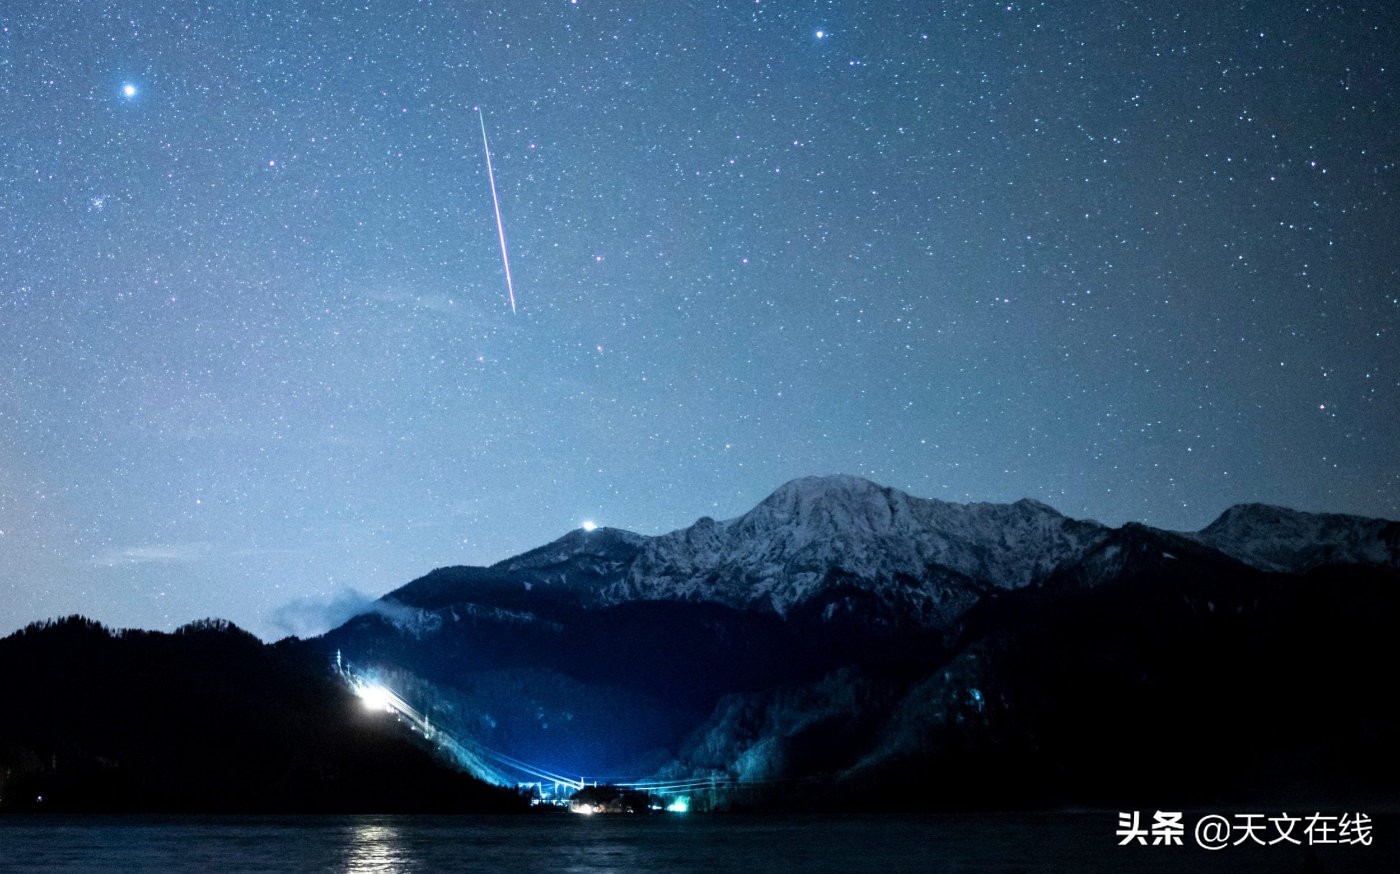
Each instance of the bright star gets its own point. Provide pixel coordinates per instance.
(589, 525)
(821, 34)
(129, 90)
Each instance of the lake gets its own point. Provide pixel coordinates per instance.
(744, 844)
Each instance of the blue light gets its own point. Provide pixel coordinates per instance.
(680, 805)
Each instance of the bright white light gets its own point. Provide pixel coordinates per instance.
(590, 525)
(375, 697)
(680, 805)
(128, 90)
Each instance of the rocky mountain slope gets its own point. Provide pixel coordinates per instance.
(842, 630)
(1279, 539)
(811, 534)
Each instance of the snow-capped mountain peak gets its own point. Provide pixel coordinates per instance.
(842, 543)
(1279, 539)
(780, 553)
(600, 544)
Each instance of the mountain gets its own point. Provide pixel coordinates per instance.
(842, 644)
(1279, 539)
(847, 635)
(783, 552)
(933, 557)
(205, 720)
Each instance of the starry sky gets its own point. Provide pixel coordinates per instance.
(258, 360)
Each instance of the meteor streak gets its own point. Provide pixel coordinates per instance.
(496, 204)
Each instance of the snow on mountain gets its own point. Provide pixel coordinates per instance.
(1280, 539)
(780, 553)
(843, 538)
(602, 551)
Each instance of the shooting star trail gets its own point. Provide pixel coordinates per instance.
(496, 204)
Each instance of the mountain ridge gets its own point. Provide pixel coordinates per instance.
(844, 632)
(1282, 539)
(782, 552)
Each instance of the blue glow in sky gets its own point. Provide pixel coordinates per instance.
(1135, 261)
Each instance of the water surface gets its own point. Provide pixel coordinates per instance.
(715, 844)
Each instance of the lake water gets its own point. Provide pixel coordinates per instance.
(714, 844)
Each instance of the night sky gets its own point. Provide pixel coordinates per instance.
(258, 360)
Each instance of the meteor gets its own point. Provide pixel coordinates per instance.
(496, 204)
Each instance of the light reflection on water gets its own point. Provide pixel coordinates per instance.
(375, 849)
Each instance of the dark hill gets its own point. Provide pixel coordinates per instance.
(207, 719)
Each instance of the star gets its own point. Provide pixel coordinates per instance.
(885, 288)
